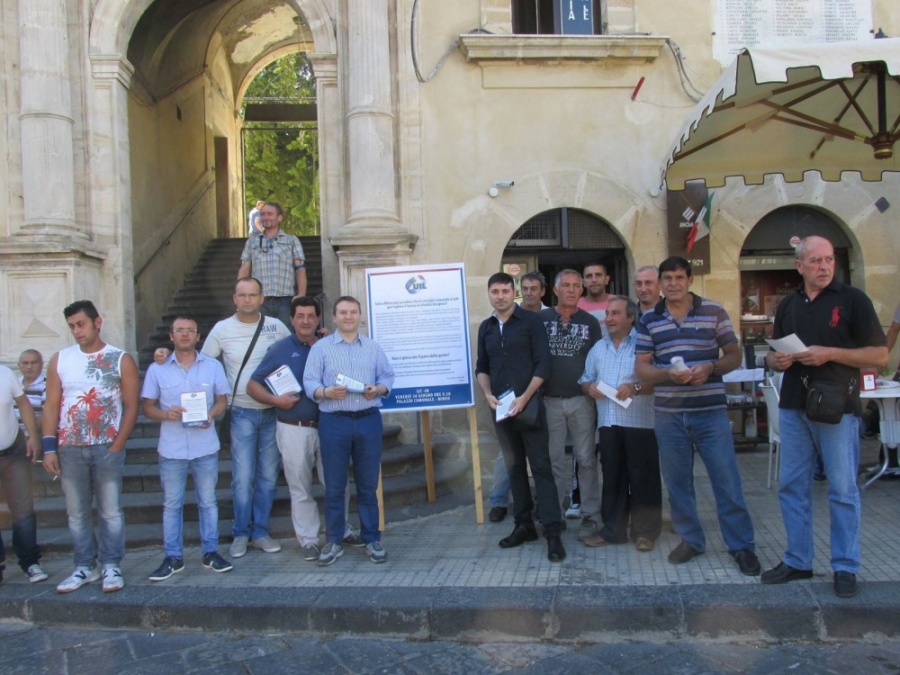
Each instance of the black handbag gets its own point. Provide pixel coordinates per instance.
(529, 417)
(827, 401)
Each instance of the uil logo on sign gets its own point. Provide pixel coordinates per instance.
(415, 284)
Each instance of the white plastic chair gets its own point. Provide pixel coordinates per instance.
(771, 396)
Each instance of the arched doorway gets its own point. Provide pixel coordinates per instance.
(192, 61)
(567, 238)
(767, 263)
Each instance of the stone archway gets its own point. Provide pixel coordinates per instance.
(111, 176)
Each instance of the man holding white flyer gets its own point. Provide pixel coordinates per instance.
(629, 453)
(185, 393)
(350, 425)
(276, 382)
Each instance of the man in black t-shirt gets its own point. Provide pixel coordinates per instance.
(839, 325)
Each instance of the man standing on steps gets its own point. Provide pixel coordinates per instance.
(297, 424)
(187, 445)
(571, 333)
(276, 259)
(349, 374)
(513, 362)
(254, 455)
(90, 410)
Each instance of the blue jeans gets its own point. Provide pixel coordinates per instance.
(709, 431)
(15, 477)
(173, 476)
(255, 463)
(279, 308)
(839, 445)
(87, 472)
(342, 438)
(500, 485)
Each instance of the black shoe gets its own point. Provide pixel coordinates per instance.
(683, 553)
(519, 536)
(844, 584)
(216, 563)
(169, 567)
(747, 562)
(783, 573)
(497, 514)
(555, 550)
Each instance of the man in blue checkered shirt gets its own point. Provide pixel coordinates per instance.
(628, 450)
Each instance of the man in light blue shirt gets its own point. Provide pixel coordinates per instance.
(186, 374)
(348, 374)
(628, 451)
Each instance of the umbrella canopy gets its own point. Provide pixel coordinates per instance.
(827, 107)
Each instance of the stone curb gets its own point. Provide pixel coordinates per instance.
(564, 614)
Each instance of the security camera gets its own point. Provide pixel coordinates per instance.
(504, 183)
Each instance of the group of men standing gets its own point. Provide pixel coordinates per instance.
(541, 368)
(585, 368)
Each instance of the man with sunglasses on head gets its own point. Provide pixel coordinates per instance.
(275, 258)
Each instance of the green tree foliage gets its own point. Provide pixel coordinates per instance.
(281, 160)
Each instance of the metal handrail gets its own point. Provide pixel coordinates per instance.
(168, 237)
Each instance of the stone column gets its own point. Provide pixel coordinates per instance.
(46, 122)
(370, 119)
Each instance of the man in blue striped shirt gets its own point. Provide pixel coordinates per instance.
(348, 374)
(684, 346)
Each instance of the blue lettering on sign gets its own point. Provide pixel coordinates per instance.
(415, 284)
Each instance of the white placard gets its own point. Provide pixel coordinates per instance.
(418, 315)
(282, 381)
(196, 412)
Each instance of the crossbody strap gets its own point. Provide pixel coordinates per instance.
(262, 320)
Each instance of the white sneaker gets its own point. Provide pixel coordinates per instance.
(574, 511)
(238, 548)
(80, 577)
(266, 544)
(36, 574)
(112, 580)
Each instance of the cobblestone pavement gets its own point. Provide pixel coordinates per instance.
(26, 649)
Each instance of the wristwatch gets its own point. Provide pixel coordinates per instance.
(637, 387)
(715, 368)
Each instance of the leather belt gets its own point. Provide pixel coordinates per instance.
(299, 423)
(354, 414)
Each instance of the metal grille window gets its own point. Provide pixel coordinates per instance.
(542, 17)
(565, 228)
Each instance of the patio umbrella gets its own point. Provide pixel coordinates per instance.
(826, 107)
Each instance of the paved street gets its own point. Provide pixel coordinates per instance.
(25, 650)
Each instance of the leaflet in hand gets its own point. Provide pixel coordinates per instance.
(504, 403)
(282, 381)
(789, 344)
(355, 386)
(195, 413)
(611, 393)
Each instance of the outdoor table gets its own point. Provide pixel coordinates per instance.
(886, 397)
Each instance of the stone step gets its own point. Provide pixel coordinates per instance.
(143, 511)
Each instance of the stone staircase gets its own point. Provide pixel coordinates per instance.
(207, 296)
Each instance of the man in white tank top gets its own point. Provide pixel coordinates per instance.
(90, 410)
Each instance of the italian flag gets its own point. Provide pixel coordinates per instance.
(701, 224)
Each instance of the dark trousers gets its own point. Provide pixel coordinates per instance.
(631, 484)
(343, 439)
(15, 476)
(521, 448)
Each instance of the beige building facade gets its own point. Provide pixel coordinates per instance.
(121, 130)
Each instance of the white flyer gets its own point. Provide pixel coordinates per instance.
(196, 413)
(504, 403)
(282, 381)
(789, 344)
(611, 393)
(355, 386)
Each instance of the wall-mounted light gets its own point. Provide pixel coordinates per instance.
(506, 184)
